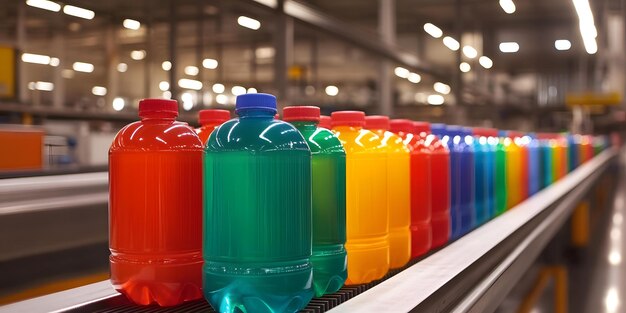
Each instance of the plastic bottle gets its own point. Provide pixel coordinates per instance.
(367, 224)
(451, 137)
(513, 171)
(468, 211)
(522, 141)
(257, 212)
(573, 142)
(439, 184)
(534, 164)
(324, 122)
(209, 120)
(328, 170)
(562, 157)
(547, 163)
(398, 190)
(155, 207)
(491, 135)
(481, 174)
(420, 186)
(501, 174)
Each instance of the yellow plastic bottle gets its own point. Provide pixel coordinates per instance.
(367, 227)
(398, 190)
(513, 167)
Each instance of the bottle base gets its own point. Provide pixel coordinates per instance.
(266, 293)
(329, 272)
(399, 247)
(367, 262)
(421, 239)
(441, 231)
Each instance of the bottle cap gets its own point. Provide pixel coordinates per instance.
(402, 125)
(159, 107)
(256, 101)
(325, 122)
(454, 130)
(377, 122)
(421, 127)
(213, 116)
(301, 113)
(438, 129)
(348, 118)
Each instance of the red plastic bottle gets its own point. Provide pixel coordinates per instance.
(155, 208)
(209, 120)
(421, 231)
(324, 122)
(523, 145)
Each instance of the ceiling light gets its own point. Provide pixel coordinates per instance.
(167, 95)
(118, 104)
(210, 63)
(485, 62)
(238, 90)
(164, 86)
(435, 99)
(252, 90)
(187, 99)
(35, 58)
(122, 67)
(562, 44)
(414, 78)
(509, 47)
(470, 52)
(55, 62)
(465, 67)
(441, 88)
(221, 99)
(190, 84)
(44, 86)
(138, 54)
(332, 90)
(264, 52)
(83, 67)
(131, 24)
(192, 70)
(99, 91)
(401, 72)
(78, 12)
(166, 65)
(586, 25)
(451, 43)
(508, 6)
(44, 4)
(433, 30)
(218, 88)
(67, 73)
(248, 22)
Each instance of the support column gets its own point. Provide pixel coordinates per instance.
(20, 36)
(283, 54)
(112, 60)
(172, 50)
(58, 48)
(457, 83)
(387, 30)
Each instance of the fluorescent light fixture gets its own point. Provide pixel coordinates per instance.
(264, 52)
(218, 88)
(83, 67)
(509, 47)
(586, 25)
(44, 4)
(35, 58)
(615, 258)
(164, 86)
(190, 84)
(433, 30)
(192, 70)
(451, 43)
(508, 6)
(187, 99)
(55, 62)
(67, 73)
(252, 90)
(44, 86)
(441, 88)
(435, 99)
(78, 12)
(138, 55)
(562, 44)
(465, 67)
(31, 86)
(122, 67)
(131, 24)
(401, 72)
(248, 22)
(167, 95)
(210, 63)
(414, 78)
(470, 52)
(166, 65)
(118, 104)
(485, 62)
(221, 99)
(238, 90)
(99, 91)
(332, 90)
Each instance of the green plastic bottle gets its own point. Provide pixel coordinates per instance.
(501, 176)
(257, 212)
(328, 165)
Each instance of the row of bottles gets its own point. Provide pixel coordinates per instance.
(260, 214)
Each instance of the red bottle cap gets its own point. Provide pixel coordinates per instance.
(515, 134)
(158, 107)
(492, 132)
(402, 125)
(348, 118)
(301, 113)
(276, 117)
(325, 122)
(213, 116)
(421, 127)
(377, 122)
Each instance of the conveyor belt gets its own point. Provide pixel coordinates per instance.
(472, 274)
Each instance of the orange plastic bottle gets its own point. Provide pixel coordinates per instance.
(367, 226)
(398, 190)
(209, 120)
(155, 208)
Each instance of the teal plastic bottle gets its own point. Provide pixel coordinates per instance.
(328, 165)
(257, 212)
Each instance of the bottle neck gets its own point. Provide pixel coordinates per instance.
(158, 117)
(256, 112)
(348, 127)
(305, 125)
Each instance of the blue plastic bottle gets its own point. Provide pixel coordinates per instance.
(481, 173)
(491, 135)
(573, 142)
(443, 133)
(466, 179)
(534, 164)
